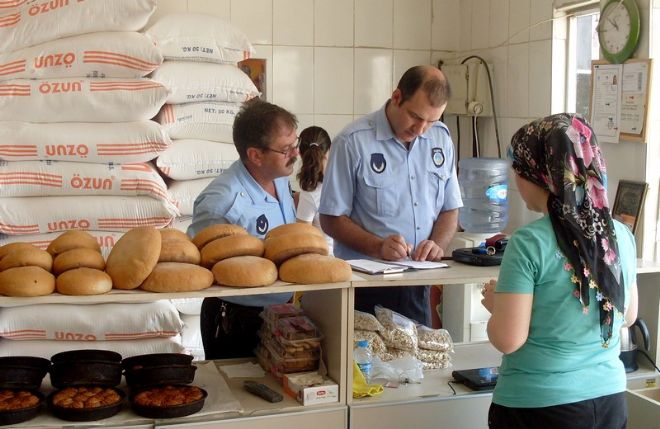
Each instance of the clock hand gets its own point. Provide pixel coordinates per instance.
(614, 24)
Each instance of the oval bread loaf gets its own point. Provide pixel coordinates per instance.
(133, 257)
(77, 258)
(179, 251)
(27, 257)
(12, 247)
(245, 271)
(177, 277)
(73, 239)
(83, 281)
(294, 228)
(216, 231)
(26, 281)
(230, 246)
(280, 248)
(314, 269)
(173, 234)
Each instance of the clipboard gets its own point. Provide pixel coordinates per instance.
(375, 267)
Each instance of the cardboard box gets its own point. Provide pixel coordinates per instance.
(310, 388)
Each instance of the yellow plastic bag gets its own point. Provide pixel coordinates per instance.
(360, 386)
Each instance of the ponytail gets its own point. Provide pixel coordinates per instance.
(314, 144)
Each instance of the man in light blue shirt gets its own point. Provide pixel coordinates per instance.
(390, 188)
(255, 194)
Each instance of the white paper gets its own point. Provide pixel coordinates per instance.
(375, 267)
(633, 109)
(243, 370)
(606, 101)
(419, 265)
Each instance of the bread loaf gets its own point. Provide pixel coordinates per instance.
(133, 257)
(176, 250)
(26, 281)
(12, 247)
(314, 269)
(245, 271)
(83, 281)
(173, 234)
(177, 277)
(73, 239)
(213, 232)
(76, 258)
(280, 248)
(230, 246)
(26, 257)
(294, 228)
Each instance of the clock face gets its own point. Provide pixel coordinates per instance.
(618, 30)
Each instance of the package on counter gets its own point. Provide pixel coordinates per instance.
(311, 388)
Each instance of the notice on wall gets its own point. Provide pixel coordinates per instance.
(633, 97)
(606, 101)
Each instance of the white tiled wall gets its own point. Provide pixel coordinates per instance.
(331, 61)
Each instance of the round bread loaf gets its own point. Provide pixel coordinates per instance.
(27, 257)
(177, 277)
(280, 248)
(311, 268)
(294, 228)
(73, 239)
(173, 234)
(228, 247)
(26, 281)
(179, 251)
(77, 258)
(133, 257)
(83, 281)
(218, 230)
(12, 247)
(245, 271)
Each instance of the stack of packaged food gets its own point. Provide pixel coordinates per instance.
(290, 341)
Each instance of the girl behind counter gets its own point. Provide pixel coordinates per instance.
(314, 147)
(566, 287)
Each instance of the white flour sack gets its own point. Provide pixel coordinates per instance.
(126, 348)
(112, 142)
(197, 37)
(94, 322)
(196, 159)
(181, 223)
(49, 178)
(38, 215)
(80, 100)
(34, 22)
(189, 82)
(183, 193)
(106, 239)
(110, 54)
(205, 121)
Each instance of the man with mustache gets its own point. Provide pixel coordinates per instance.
(390, 188)
(255, 194)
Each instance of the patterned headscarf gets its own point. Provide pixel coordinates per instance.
(560, 154)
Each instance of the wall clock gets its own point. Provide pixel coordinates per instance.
(618, 30)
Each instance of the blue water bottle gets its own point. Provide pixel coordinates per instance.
(484, 189)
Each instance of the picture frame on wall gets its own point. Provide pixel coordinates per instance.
(628, 202)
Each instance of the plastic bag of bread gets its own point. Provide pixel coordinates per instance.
(365, 321)
(432, 359)
(434, 339)
(399, 332)
(376, 343)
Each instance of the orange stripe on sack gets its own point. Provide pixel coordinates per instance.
(11, 3)
(128, 58)
(125, 88)
(31, 174)
(19, 229)
(9, 22)
(168, 114)
(117, 63)
(136, 167)
(29, 182)
(142, 334)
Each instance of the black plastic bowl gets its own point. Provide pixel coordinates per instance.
(91, 355)
(86, 414)
(171, 411)
(156, 359)
(85, 373)
(10, 417)
(22, 372)
(139, 377)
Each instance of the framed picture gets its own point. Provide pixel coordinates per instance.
(628, 202)
(255, 68)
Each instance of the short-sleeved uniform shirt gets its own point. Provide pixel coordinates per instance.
(563, 360)
(385, 188)
(235, 197)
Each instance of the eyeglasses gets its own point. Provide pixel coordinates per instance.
(288, 152)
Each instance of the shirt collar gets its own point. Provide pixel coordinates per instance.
(254, 189)
(384, 129)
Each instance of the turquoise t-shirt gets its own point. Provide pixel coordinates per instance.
(563, 360)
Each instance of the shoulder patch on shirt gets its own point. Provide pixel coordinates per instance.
(262, 224)
(438, 157)
(378, 162)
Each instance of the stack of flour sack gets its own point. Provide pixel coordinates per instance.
(207, 88)
(75, 128)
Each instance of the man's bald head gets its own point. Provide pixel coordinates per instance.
(428, 79)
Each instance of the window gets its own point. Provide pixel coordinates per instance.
(582, 49)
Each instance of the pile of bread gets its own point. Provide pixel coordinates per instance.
(166, 260)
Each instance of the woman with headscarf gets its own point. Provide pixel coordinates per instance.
(567, 285)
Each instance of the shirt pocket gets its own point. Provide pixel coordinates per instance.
(381, 191)
(237, 214)
(437, 183)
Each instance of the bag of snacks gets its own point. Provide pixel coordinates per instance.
(434, 339)
(399, 332)
(432, 359)
(366, 321)
(376, 343)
